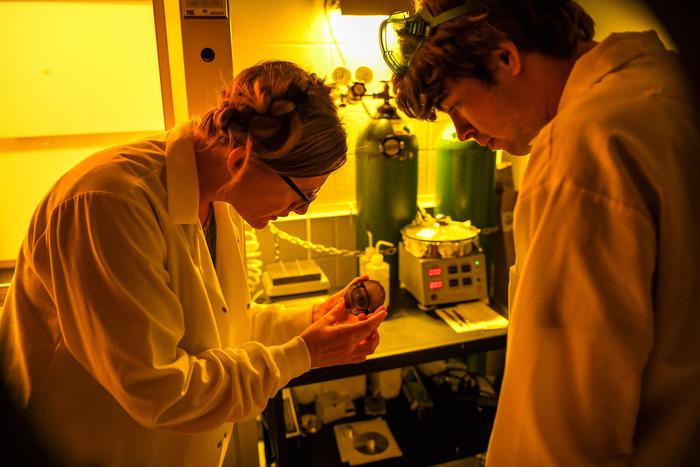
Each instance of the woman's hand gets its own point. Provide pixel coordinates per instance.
(333, 341)
(320, 309)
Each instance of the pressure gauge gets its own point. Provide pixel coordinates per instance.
(364, 74)
(342, 76)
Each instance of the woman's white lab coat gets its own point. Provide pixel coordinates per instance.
(120, 339)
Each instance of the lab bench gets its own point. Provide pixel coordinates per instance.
(409, 336)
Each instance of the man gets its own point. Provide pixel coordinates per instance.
(603, 362)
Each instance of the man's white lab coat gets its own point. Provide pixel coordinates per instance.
(603, 357)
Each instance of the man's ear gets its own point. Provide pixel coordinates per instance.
(507, 58)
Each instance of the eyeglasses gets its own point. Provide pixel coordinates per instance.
(401, 34)
(306, 199)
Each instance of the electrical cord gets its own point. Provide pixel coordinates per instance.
(277, 232)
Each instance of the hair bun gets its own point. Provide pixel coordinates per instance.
(282, 107)
(264, 126)
(240, 117)
(282, 115)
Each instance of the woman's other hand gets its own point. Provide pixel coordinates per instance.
(320, 309)
(332, 340)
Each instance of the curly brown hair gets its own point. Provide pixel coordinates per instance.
(283, 116)
(462, 47)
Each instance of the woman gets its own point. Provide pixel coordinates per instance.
(128, 337)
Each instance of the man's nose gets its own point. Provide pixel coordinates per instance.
(464, 130)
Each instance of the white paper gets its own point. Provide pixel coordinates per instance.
(472, 316)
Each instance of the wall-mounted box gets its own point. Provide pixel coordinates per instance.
(373, 7)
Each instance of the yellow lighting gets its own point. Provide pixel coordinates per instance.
(426, 234)
(449, 133)
(77, 76)
(358, 39)
(77, 68)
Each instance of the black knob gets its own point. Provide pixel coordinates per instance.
(207, 54)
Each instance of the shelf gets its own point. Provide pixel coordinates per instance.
(409, 336)
(456, 430)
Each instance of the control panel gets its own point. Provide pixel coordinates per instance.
(435, 281)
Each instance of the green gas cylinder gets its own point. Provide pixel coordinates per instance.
(386, 174)
(465, 177)
(465, 190)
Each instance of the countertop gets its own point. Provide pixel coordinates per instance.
(409, 336)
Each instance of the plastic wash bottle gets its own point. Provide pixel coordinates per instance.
(378, 269)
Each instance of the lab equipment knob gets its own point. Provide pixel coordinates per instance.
(356, 92)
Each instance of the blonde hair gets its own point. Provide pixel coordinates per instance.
(283, 116)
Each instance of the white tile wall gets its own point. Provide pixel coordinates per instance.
(334, 231)
(298, 31)
(272, 29)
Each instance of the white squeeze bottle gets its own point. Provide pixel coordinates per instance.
(365, 257)
(378, 269)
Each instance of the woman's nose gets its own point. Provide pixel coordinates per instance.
(302, 210)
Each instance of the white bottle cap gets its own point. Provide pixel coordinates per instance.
(377, 259)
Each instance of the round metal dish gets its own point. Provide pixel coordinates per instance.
(440, 238)
(371, 443)
(364, 296)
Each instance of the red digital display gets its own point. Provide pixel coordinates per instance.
(432, 272)
(435, 285)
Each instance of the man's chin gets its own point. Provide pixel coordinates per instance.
(518, 151)
(258, 224)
